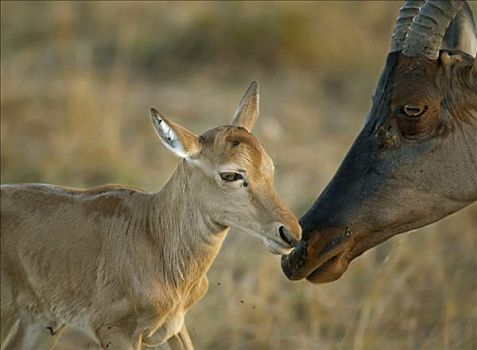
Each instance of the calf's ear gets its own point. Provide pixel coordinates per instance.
(247, 111)
(176, 138)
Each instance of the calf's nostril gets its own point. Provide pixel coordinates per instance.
(284, 235)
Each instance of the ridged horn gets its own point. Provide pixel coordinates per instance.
(407, 12)
(424, 37)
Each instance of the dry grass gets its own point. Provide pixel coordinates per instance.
(77, 80)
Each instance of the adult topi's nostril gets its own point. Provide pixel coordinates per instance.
(285, 235)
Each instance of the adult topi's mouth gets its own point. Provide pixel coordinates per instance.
(330, 270)
(319, 260)
(325, 270)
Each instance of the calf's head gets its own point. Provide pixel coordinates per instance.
(234, 175)
(415, 160)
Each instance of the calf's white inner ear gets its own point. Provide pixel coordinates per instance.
(168, 136)
(177, 139)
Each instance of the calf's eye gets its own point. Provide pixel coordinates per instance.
(231, 176)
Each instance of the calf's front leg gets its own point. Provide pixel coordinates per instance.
(119, 337)
(29, 333)
(181, 340)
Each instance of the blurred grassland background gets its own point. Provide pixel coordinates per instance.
(77, 81)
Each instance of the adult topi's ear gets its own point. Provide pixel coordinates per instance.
(179, 140)
(247, 112)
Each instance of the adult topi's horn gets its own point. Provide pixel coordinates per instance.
(424, 37)
(408, 11)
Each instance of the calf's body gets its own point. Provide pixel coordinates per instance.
(127, 265)
(101, 258)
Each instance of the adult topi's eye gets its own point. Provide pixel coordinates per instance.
(230, 176)
(413, 111)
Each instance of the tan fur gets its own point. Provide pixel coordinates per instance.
(124, 263)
